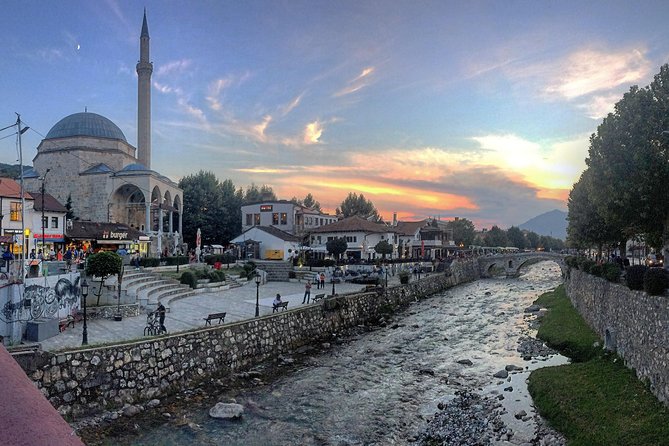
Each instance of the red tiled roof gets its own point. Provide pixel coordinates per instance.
(353, 224)
(50, 203)
(410, 227)
(11, 189)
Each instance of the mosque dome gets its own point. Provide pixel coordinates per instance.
(86, 124)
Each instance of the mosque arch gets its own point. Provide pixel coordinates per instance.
(127, 204)
(156, 205)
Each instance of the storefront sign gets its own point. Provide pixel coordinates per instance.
(111, 235)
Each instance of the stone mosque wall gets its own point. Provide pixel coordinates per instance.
(87, 381)
(632, 323)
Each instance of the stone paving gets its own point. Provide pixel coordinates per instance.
(189, 313)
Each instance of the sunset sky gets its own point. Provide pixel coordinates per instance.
(477, 109)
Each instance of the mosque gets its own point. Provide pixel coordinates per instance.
(87, 161)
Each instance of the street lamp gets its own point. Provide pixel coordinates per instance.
(258, 278)
(333, 284)
(84, 294)
(385, 268)
(43, 244)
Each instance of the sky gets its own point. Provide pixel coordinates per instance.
(473, 109)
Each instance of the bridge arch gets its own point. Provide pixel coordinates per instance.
(512, 263)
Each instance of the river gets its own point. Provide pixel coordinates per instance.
(381, 387)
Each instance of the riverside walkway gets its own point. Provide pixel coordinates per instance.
(189, 313)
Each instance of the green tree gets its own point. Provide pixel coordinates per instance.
(515, 237)
(532, 240)
(255, 194)
(337, 246)
(383, 248)
(103, 264)
(203, 208)
(68, 205)
(495, 237)
(355, 204)
(230, 216)
(464, 231)
(311, 203)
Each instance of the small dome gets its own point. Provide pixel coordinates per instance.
(86, 124)
(134, 167)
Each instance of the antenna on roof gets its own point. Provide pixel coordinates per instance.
(85, 109)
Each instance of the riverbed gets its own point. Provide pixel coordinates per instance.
(383, 385)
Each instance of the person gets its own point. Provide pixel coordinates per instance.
(7, 256)
(307, 292)
(322, 280)
(32, 254)
(52, 254)
(59, 256)
(161, 316)
(277, 300)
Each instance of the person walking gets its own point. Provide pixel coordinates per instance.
(322, 280)
(307, 292)
(161, 317)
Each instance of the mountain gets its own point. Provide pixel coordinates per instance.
(553, 223)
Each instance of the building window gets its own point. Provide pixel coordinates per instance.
(319, 239)
(284, 218)
(321, 222)
(275, 218)
(54, 222)
(15, 211)
(351, 238)
(45, 222)
(331, 238)
(249, 219)
(256, 219)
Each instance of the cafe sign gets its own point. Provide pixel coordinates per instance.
(111, 235)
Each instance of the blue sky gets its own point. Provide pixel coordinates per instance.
(475, 109)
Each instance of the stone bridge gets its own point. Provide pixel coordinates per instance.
(511, 263)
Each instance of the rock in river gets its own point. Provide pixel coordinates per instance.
(226, 411)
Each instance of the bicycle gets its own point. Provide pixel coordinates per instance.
(153, 326)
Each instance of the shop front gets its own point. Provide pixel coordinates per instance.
(51, 242)
(92, 237)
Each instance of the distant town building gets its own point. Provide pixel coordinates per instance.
(108, 180)
(284, 215)
(267, 242)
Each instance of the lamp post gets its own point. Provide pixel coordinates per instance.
(258, 278)
(43, 244)
(84, 294)
(385, 269)
(333, 284)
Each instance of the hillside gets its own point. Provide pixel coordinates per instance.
(552, 223)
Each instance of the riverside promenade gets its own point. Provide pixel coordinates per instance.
(189, 313)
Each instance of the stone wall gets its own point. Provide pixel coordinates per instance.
(87, 381)
(632, 323)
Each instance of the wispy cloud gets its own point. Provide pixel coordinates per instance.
(287, 108)
(358, 83)
(599, 106)
(589, 71)
(175, 66)
(313, 132)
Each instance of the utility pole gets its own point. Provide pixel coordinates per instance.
(21, 131)
(43, 225)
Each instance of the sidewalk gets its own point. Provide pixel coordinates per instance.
(189, 313)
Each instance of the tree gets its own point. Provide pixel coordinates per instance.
(103, 264)
(337, 246)
(532, 240)
(515, 237)
(355, 204)
(230, 216)
(68, 205)
(495, 237)
(203, 208)
(255, 194)
(464, 231)
(311, 203)
(383, 247)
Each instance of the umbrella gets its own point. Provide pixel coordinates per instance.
(198, 239)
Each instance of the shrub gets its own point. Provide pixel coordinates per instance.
(249, 270)
(149, 262)
(655, 281)
(175, 260)
(597, 270)
(223, 258)
(611, 272)
(216, 276)
(404, 277)
(188, 278)
(571, 261)
(634, 276)
(586, 265)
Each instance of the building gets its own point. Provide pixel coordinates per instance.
(267, 242)
(361, 236)
(13, 222)
(424, 239)
(284, 215)
(48, 224)
(106, 179)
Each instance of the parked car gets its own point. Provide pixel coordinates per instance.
(653, 260)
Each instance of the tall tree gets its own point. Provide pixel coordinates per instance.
(515, 237)
(495, 237)
(337, 246)
(355, 204)
(255, 194)
(203, 208)
(311, 203)
(463, 231)
(231, 217)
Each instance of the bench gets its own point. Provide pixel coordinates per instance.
(318, 297)
(282, 305)
(212, 316)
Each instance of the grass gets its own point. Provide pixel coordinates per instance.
(597, 401)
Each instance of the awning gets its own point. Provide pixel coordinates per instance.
(113, 242)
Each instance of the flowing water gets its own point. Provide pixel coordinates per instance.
(381, 387)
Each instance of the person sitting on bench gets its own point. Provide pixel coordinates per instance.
(277, 301)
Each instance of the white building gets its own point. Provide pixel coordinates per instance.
(54, 213)
(284, 215)
(361, 236)
(267, 242)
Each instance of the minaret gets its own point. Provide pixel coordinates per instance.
(144, 70)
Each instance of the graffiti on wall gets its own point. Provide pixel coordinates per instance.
(45, 302)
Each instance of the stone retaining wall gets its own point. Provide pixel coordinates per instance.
(632, 323)
(87, 381)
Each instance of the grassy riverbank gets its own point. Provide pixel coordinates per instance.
(596, 400)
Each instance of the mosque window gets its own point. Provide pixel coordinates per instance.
(15, 211)
(256, 219)
(249, 219)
